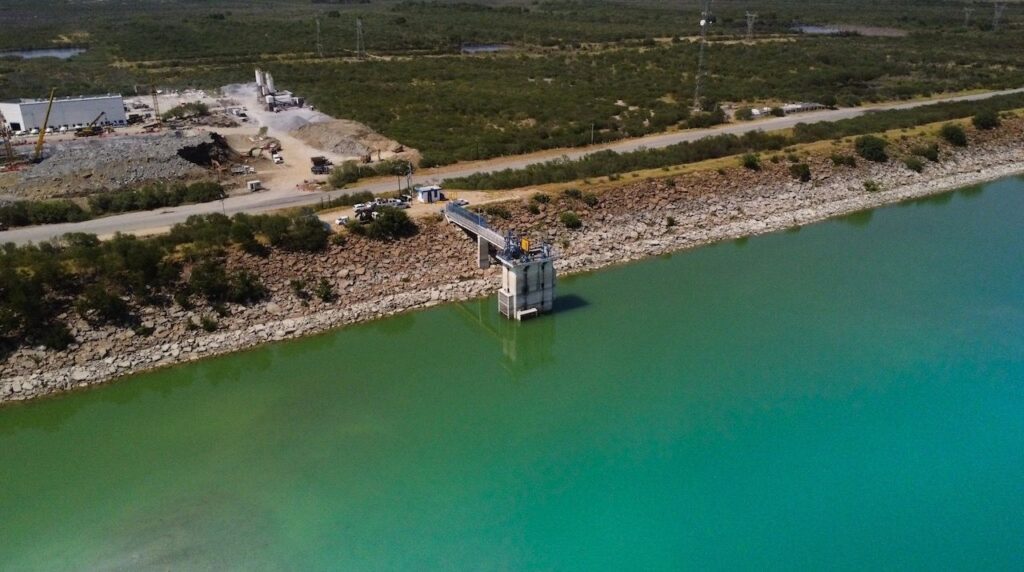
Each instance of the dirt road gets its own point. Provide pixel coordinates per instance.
(283, 192)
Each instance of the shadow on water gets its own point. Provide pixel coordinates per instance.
(568, 303)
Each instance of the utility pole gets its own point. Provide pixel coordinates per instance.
(319, 40)
(751, 19)
(1000, 7)
(706, 19)
(360, 41)
(967, 16)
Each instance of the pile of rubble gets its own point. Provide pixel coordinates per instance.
(76, 168)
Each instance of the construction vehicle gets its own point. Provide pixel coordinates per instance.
(92, 129)
(37, 156)
(321, 165)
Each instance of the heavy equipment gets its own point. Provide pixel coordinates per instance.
(92, 128)
(37, 156)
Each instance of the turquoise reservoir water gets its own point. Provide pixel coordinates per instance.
(849, 396)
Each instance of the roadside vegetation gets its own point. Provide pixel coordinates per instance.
(153, 196)
(42, 287)
(610, 163)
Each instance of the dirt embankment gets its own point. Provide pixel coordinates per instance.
(352, 139)
(627, 223)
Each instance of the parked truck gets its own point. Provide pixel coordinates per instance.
(321, 165)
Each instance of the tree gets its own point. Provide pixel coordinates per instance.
(391, 224)
(751, 161)
(871, 148)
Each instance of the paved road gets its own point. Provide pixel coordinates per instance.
(274, 199)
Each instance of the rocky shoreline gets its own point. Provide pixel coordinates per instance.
(628, 222)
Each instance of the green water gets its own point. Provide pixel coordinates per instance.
(849, 396)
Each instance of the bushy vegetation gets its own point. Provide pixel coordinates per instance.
(154, 196)
(987, 119)
(800, 172)
(751, 161)
(106, 281)
(351, 171)
(871, 148)
(25, 213)
(571, 220)
(954, 135)
(390, 224)
(914, 164)
(606, 163)
(930, 152)
(843, 160)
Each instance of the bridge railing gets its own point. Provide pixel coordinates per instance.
(475, 223)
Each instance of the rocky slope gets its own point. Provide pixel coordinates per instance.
(628, 222)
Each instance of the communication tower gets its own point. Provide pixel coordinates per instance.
(319, 40)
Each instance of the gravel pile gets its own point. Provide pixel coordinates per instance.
(79, 167)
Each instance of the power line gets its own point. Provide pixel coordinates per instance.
(751, 19)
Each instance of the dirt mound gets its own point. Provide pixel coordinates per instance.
(345, 137)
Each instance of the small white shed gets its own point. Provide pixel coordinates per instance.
(429, 194)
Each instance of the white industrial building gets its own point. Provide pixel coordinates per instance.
(67, 112)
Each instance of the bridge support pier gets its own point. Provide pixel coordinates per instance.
(483, 252)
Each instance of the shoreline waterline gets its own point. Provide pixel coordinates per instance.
(156, 356)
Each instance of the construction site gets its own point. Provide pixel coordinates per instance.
(72, 147)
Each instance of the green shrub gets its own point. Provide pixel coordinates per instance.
(533, 208)
(572, 194)
(801, 172)
(99, 304)
(930, 152)
(325, 291)
(744, 114)
(571, 220)
(954, 135)
(590, 199)
(541, 198)
(914, 164)
(670, 221)
(208, 323)
(840, 160)
(872, 186)
(986, 119)
(871, 148)
(751, 161)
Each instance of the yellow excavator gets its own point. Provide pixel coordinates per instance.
(91, 129)
(38, 155)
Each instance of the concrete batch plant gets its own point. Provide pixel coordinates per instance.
(28, 114)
